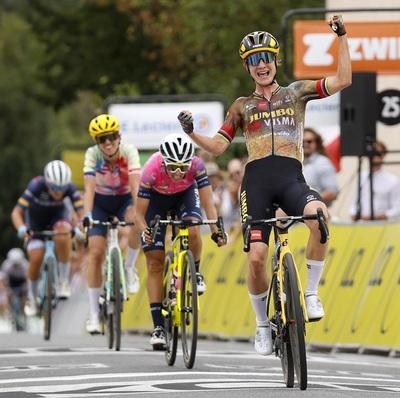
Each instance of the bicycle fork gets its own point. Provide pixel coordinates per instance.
(282, 250)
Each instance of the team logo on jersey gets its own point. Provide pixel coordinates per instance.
(311, 197)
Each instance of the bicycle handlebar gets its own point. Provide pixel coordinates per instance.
(185, 223)
(288, 221)
(87, 224)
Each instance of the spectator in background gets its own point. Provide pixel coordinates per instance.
(216, 177)
(319, 171)
(386, 190)
(230, 207)
(205, 156)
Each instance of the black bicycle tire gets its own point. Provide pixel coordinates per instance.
(280, 340)
(295, 321)
(49, 267)
(117, 296)
(171, 331)
(110, 328)
(109, 314)
(189, 310)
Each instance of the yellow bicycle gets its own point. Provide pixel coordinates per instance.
(286, 307)
(180, 298)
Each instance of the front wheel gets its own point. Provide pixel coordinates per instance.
(49, 293)
(280, 338)
(171, 331)
(295, 321)
(116, 296)
(189, 310)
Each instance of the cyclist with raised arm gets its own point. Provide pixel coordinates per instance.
(42, 207)
(272, 121)
(112, 173)
(173, 179)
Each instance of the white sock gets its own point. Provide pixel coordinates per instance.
(32, 287)
(94, 294)
(131, 257)
(315, 269)
(259, 303)
(64, 271)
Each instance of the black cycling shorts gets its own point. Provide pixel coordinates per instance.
(274, 180)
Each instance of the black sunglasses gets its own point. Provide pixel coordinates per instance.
(266, 56)
(111, 137)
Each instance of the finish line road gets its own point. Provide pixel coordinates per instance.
(74, 366)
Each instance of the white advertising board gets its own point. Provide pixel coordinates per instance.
(146, 124)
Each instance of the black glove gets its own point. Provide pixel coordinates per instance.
(186, 122)
(216, 235)
(338, 25)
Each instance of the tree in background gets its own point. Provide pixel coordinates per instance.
(60, 60)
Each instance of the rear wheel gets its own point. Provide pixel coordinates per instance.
(117, 296)
(49, 293)
(171, 331)
(295, 321)
(189, 310)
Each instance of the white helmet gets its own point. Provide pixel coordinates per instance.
(57, 173)
(177, 148)
(16, 255)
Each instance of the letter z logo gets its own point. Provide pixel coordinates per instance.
(318, 46)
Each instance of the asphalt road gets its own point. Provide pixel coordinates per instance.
(75, 364)
(82, 366)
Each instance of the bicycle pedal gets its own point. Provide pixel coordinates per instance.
(159, 347)
(314, 320)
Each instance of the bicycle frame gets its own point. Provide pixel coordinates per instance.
(289, 313)
(49, 254)
(115, 292)
(47, 296)
(281, 235)
(112, 243)
(180, 266)
(179, 247)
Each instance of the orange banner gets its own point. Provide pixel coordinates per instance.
(374, 47)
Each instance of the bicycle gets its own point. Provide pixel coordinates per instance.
(180, 298)
(47, 290)
(113, 290)
(286, 307)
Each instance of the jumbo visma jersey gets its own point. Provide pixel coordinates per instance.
(275, 126)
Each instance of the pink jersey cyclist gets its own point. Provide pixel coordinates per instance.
(155, 177)
(173, 180)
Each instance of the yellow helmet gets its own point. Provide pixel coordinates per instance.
(258, 41)
(103, 124)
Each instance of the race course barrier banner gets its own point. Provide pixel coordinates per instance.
(359, 288)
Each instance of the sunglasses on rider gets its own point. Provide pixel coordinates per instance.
(58, 188)
(174, 167)
(266, 56)
(111, 137)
